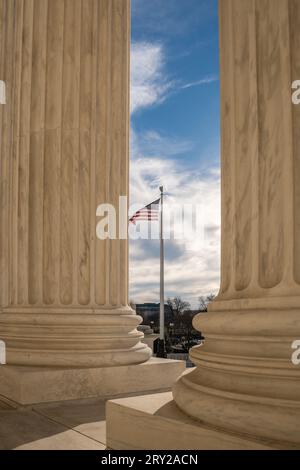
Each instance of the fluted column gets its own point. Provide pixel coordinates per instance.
(64, 151)
(245, 381)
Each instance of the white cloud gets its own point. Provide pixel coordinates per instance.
(149, 84)
(154, 143)
(192, 267)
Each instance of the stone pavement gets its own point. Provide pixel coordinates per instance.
(70, 425)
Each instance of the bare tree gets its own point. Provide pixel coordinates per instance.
(202, 304)
(170, 303)
(204, 301)
(178, 306)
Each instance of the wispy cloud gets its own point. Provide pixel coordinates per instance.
(170, 18)
(203, 81)
(150, 82)
(155, 144)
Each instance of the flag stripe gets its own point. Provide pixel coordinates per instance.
(147, 210)
(145, 218)
(148, 213)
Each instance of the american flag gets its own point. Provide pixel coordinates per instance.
(148, 213)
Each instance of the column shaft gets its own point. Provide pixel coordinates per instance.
(245, 381)
(64, 151)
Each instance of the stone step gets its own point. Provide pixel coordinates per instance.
(6, 404)
(31, 385)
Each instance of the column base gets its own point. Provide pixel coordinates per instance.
(28, 385)
(72, 337)
(154, 422)
(245, 381)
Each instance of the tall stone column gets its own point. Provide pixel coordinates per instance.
(64, 151)
(245, 381)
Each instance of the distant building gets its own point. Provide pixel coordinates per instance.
(150, 312)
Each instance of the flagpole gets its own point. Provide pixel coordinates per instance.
(161, 352)
(162, 268)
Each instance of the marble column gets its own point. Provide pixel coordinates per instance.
(245, 381)
(64, 150)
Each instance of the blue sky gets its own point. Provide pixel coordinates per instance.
(175, 137)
